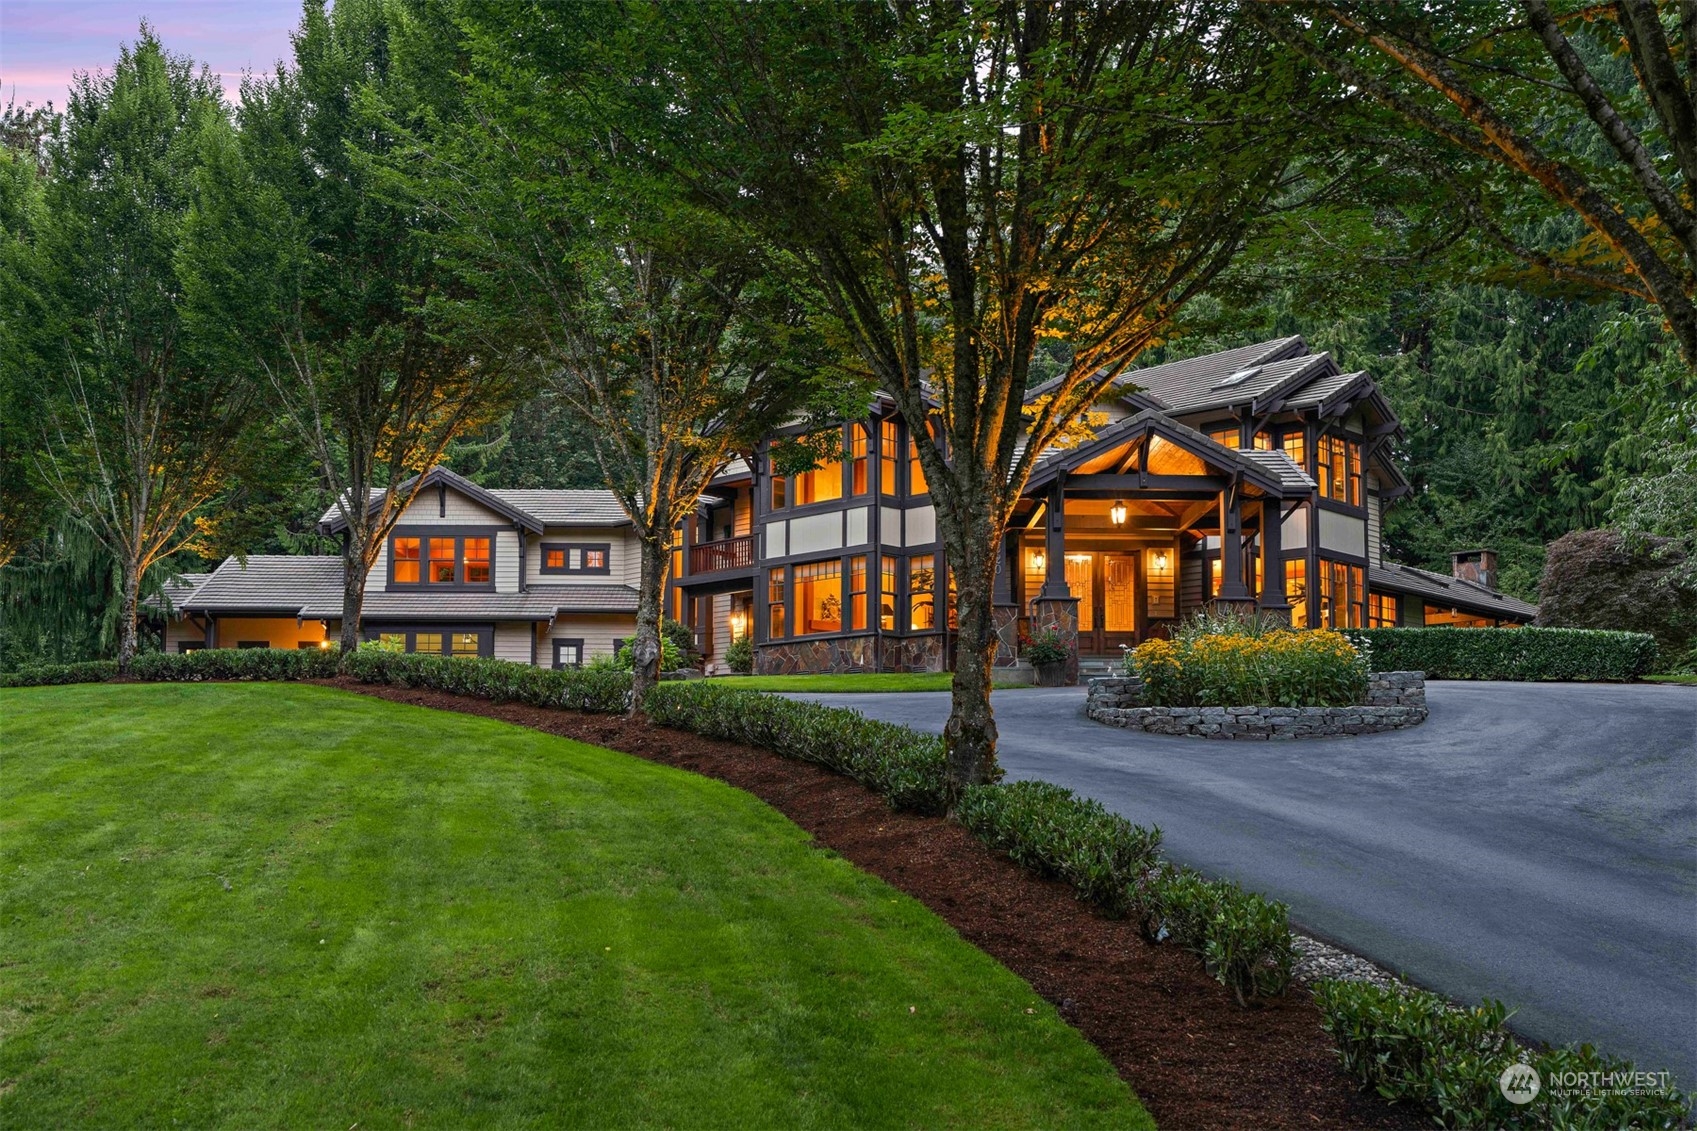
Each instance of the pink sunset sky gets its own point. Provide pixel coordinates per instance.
(43, 41)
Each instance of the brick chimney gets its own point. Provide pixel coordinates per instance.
(1477, 566)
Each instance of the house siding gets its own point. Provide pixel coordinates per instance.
(598, 631)
(179, 631)
(1375, 521)
(512, 641)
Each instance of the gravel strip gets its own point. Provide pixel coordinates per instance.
(1316, 960)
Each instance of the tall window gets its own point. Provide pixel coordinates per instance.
(857, 592)
(1296, 591)
(780, 492)
(922, 591)
(859, 443)
(477, 561)
(406, 561)
(819, 597)
(1340, 595)
(775, 628)
(1263, 441)
(887, 595)
(1296, 448)
(441, 561)
(1339, 470)
(916, 484)
(1381, 610)
(823, 483)
(889, 451)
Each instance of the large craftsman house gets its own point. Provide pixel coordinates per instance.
(1256, 476)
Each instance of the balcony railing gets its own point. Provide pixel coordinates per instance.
(726, 553)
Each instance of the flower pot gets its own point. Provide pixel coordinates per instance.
(1052, 674)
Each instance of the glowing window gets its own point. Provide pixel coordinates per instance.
(406, 561)
(857, 592)
(775, 604)
(887, 595)
(819, 597)
(477, 561)
(922, 591)
(859, 443)
(442, 561)
(889, 452)
(822, 484)
(427, 642)
(463, 643)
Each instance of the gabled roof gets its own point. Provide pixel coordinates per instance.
(1271, 471)
(1449, 592)
(1172, 381)
(275, 583)
(333, 520)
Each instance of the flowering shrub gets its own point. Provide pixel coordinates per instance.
(1277, 667)
(1046, 647)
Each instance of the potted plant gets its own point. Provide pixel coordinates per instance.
(1047, 652)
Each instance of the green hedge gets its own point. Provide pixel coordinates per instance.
(1242, 938)
(1054, 832)
(904, 765)
(47, 675)
(1409, 1045)
(599, 690)
(236, 664)
(1509, 653)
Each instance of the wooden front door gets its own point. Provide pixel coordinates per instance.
(1105, 583)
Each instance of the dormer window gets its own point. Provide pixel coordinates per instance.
(577, 557)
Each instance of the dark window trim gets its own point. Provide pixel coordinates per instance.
(485, 635)
(253, 644)
(459, 534)
(606, 549)
(561, 642)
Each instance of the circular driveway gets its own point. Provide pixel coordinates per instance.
(1535, 843)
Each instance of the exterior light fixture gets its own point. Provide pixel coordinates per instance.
(1161, 560)
(739, 622)
(323, 645)
(1038, 561)
(1117, 513)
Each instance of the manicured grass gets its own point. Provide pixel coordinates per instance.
(1677, 677)
(283, 905)
(858, 681)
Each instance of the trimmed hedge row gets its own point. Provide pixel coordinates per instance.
(1410, 1045)
(1055, 833)
(904, 765)
(50, 675)
(1242, 938)
(236, 664)
(1508, 653)
(599, 690)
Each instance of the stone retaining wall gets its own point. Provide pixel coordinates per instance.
(1394, 700)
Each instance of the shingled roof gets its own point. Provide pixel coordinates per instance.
(279, 583)
(1449, 592)
(532, 508)
(173, 593)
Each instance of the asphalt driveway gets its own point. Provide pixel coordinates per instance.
(1535, 843)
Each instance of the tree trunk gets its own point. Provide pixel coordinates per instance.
(353, 592)
(127, 615)
(969, 737)
(646, 650)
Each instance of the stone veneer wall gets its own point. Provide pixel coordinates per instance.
(1060, 616)
(841, 654)
(1394, 700)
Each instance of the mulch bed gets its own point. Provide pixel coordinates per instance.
(1192, 1055)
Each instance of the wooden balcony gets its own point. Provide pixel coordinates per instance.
(726, 553)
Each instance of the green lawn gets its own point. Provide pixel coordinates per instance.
(1678, 677)
(270, 905)
(854, 681)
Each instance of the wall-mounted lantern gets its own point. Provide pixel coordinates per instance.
(1160, 561)
(1038, 561)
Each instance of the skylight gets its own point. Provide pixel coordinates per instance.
(1238, 378)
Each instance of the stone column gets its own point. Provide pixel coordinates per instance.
(1055, 609)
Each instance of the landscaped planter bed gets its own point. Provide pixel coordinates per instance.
(1394, 700)
(1193, 1056)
